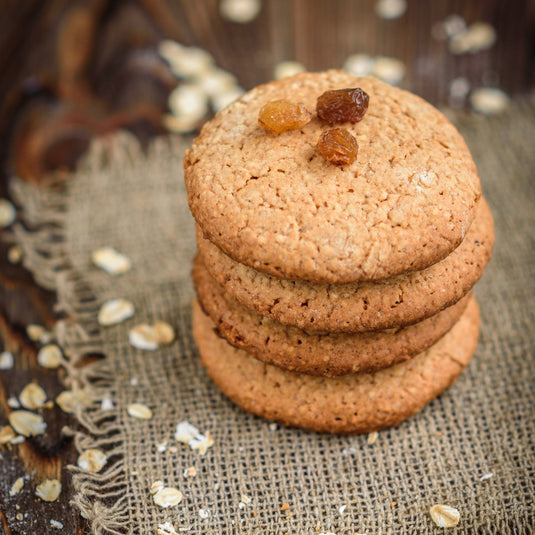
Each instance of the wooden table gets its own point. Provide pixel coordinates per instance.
(61, 61)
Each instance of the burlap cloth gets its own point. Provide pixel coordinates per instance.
(483, 425)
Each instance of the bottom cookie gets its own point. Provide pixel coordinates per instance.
(358, 403)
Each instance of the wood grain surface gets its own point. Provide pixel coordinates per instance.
(70, 72)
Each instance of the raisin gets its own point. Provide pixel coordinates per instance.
(281, 115)
(338, 146)
(343, 105)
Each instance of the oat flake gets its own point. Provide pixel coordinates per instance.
(27, 423)
(66, 401)
(240, 11)
(16, 487)
(6, 434)
(13, 402)
(111, 261)
(49, 356)
(32, 396)
(49, 490)
(157, 486)
(35, 332)
(92, 460)
(444, 516)
(6, 360)
(168, 497)
(138, 410)
(204, 513)
(287, 68)
(372, 437)
(190, 472)
(7, 213)
(14, 254)
(166, 529)
(144, 337)
(115, 311)
(56, 524)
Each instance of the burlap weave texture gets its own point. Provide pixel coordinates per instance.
(483, 425)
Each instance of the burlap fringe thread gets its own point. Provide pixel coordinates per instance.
(100, 497)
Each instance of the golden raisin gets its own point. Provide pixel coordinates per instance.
(343, 105)
(281, 115)
(338, 146)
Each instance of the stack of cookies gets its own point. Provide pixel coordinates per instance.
(335, 296)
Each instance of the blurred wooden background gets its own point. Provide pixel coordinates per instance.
(75, 69)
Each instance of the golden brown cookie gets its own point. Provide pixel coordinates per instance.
(272, 202)
(399, 301)
(322, 354)
(357, 403)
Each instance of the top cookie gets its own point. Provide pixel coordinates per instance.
(274, 203)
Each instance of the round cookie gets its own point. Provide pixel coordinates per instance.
(274, 203)
(358, 403)
(354, 307)
(323, 354)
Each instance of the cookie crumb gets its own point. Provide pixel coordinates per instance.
(285, 506)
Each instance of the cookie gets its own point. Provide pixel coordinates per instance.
(358, 403)
(354, 307)
(272, 202)
(323, 354)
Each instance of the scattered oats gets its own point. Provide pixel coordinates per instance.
(190, 472)
(168, 497)
(273, 426)
(48, 405)
(13, 402)
(19, 517)
(390, 70)
(459, 89)
(453, 25)
(66, 402)
(488, 100)
(188, 101)
(222, 100)
(7, 213)
(188, 62)
(285, 506)
(216, 81)
(111, 260)
(166, 529)
(7, 360)
(162, 446)
(92, 460)
(479, 36)
(190, 435)
(287, 68)
(115, 311)
(14, 254)
(157, 486)
(173, 449)
(444, 516)
(138, 410)
(16, 487)
(169, 50)
(245, 500)
(372, 437)
(143, 336)
(49, 490)
(56, 524)
(27, 423)
(35, 332)
(202, 443)
(349, 451)
(486, 476)
(19, 439)
(106, 404)
(49, 356)
(134, 381)
(390, 9)
(6, 434)
(32, 396)
(179, 125)
(359, 65)
(327, 533)
(342, 509)
(204, 513)
(241, 11)
(164, 333)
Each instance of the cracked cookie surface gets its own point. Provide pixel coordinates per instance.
(366, 306)
(273, 203)
(324, 354)
(358, 403)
